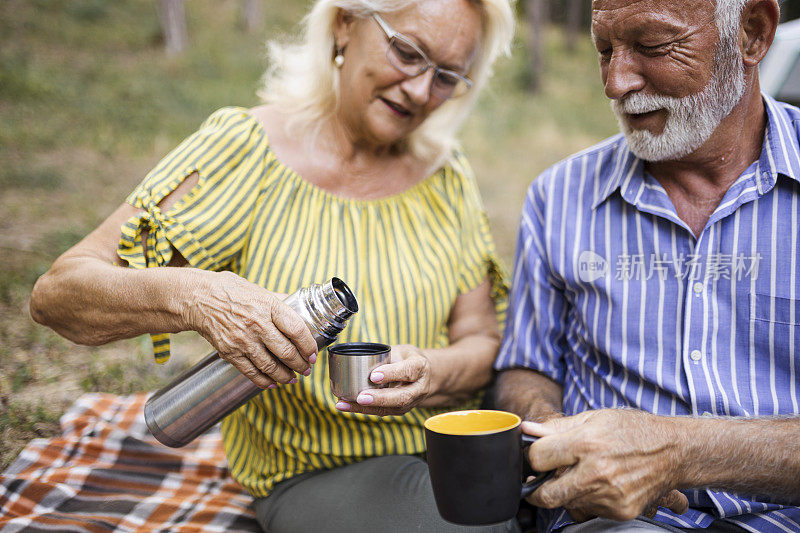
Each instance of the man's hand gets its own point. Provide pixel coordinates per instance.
(615, 464)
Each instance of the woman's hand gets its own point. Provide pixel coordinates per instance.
(408, 377)
(438, 377)
(251, 328)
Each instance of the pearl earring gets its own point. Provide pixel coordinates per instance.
(338, 60)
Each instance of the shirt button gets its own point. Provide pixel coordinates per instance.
(698, 288)
(696, 355)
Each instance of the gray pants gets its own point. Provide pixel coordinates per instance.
(380, 495)
(643, 525)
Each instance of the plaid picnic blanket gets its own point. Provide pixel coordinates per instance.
(107, 473)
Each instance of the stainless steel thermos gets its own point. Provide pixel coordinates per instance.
(213, 388)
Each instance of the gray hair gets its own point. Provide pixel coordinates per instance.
(729, 17)
(303, 81)
(728, 57)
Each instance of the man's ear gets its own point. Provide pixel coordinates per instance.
(759, 21)
(342, 28)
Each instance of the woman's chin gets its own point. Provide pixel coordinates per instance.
(388, 138)
(390, 132)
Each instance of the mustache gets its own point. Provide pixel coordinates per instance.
(639, 103)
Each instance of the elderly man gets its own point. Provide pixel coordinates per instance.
(654, 335)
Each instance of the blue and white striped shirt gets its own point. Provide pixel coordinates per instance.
(614, 298)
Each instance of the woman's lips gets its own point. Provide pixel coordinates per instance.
(396, 109)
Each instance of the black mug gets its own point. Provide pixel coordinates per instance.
(475, 463)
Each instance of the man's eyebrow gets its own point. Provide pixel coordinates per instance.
(650, 24)
(646, 27)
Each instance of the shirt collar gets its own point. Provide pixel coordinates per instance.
(780, 154)
(625, 167)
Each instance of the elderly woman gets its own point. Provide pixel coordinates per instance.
(350, 170)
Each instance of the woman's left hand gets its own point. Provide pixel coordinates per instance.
(408, 377)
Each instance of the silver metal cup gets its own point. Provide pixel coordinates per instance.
(350, 365)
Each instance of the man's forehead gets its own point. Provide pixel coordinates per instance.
(673, 12)
(607, 8)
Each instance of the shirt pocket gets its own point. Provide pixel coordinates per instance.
(785, 310)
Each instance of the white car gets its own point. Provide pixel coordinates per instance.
(780, 69)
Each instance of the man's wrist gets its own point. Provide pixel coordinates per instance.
(542, 415)
(692, 444)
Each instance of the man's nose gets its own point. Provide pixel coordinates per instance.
(418, 88)
(622, 75)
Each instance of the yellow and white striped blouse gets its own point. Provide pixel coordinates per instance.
(407, 257)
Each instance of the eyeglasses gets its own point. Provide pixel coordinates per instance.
(406, 57)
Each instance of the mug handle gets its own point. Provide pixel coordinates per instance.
(529, 487)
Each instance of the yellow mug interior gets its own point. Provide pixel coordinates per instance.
(478, 422)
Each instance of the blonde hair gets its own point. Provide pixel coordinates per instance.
(303, 81)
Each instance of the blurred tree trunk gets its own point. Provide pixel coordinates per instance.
(536, 18)
(173, 25)
(574, 18)
(790, 9)
(252, 15)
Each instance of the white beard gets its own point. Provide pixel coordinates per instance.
(691, 119)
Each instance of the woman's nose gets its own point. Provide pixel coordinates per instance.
(418, 88)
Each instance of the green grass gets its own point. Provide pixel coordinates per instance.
(88, 104)
(21, 422)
